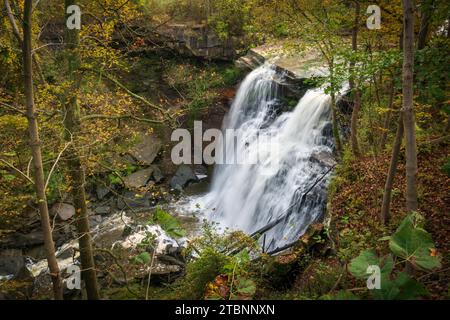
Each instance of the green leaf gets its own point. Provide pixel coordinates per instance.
(143, 258)
(168, 223)
(410, 289)
(402, 288)
(389, 291)
(358, 266)
(414, 244)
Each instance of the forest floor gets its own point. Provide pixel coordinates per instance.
(355, 200)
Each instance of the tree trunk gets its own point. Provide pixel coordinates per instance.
(335, 125)
(387, 119)
(426, 13)
(386, 205)
(76, 171)
(16, 33)
(334, 120)
(408, 107)
(39, 180)
(353, 87)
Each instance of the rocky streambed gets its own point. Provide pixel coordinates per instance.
(130, 239)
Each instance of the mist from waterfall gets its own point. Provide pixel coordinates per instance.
(250, 196)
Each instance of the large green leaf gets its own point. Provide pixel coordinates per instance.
(414, 244)
(358, 266)
(168, 223)
(410, 289)
(403, 287)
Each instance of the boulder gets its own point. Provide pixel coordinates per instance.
(147, 150)
(324, 158)
(104, 210)
(101, 192)
(157, 174)
(12, 263)
(64, 211)
(138, 179)
(183, 177)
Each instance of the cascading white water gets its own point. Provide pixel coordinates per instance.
(250, 196)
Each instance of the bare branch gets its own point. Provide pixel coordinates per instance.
(118, 117)
(17, 170)
(55, 163)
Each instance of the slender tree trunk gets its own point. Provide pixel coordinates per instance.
(386, 205)
(356, 92)
(426, 13)
(387, 119)
(335, 124)
(408, 107)
(334, 119)
(76, 170)
(39, 180)
(16, 33)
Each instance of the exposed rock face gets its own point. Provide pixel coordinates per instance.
(304, 65)
(147, 150)
(296, 68)
(183, 177)
(198, 41)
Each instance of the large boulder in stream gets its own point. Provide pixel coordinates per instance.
(183, 177)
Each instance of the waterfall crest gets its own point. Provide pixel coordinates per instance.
(250, 196)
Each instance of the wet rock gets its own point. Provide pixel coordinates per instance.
(67, 255)
(131, 199)
(37, 253)
(64, 211)
(183, 177)
(164, 244)
(103, 210)
(147, 150)
(327, 130)
(94, 220)
(324, 158)
(110, 230)
(201, 172)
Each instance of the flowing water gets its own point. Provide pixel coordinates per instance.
(250, 196)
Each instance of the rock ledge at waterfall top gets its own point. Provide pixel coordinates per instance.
(297, 66)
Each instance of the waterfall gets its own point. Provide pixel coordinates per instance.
(250, 196)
